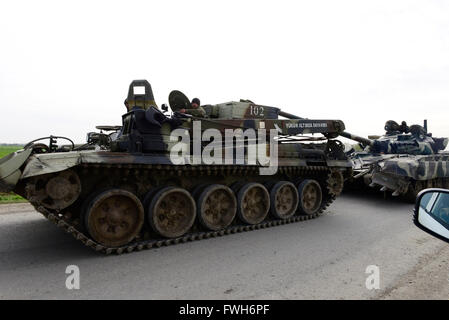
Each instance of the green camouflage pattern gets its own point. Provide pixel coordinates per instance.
(403, 161)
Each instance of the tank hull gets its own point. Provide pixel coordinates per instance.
(141, 174)
(401, 174)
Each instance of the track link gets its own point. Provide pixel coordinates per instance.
(157, 243)
(57, 216)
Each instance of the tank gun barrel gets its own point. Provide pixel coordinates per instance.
(362, 140)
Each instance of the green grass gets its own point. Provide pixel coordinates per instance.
(9, 197)
(5, 150)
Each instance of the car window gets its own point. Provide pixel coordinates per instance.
(425, 200)
(440, 209)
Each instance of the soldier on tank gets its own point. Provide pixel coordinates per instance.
(196, 110)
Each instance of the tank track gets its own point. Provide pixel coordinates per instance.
(58, 218)
(157, 243)
(415, 186)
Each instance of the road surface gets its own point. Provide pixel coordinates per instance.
(325, 258)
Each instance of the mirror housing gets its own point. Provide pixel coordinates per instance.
(431, 212)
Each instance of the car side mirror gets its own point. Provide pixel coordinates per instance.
(432, 212)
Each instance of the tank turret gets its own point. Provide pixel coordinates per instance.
(402, 139)
(147, 129)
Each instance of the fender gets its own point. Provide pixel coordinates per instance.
(50, 162)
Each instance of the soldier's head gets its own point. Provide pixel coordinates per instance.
(126, 104)
(195, 103)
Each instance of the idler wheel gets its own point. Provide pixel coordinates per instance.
(217, 207)
(253, 203)
(114, 217)
(335, 182)
(55, 191)
(171, 212)
(310, 196)
(284, 200)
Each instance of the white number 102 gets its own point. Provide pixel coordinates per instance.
(256, 111)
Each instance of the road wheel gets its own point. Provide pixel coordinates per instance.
(253, 203)
(284, 200)
(414, 188)
(217, 207)
(310, 196)
(171, 212)
(114, 217)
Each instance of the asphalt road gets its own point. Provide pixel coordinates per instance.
(325, 258)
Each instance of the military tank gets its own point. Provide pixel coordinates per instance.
(137, 185)
(403, 161)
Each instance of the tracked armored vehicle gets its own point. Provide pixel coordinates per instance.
(139, 185)
(404, 161)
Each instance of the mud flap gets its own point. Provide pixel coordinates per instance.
(396, 184)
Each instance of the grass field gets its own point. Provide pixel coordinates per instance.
(4, 150)
(9, 197)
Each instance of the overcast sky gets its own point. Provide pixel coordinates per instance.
(66, 66)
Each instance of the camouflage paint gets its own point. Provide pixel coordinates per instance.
(399, 159)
